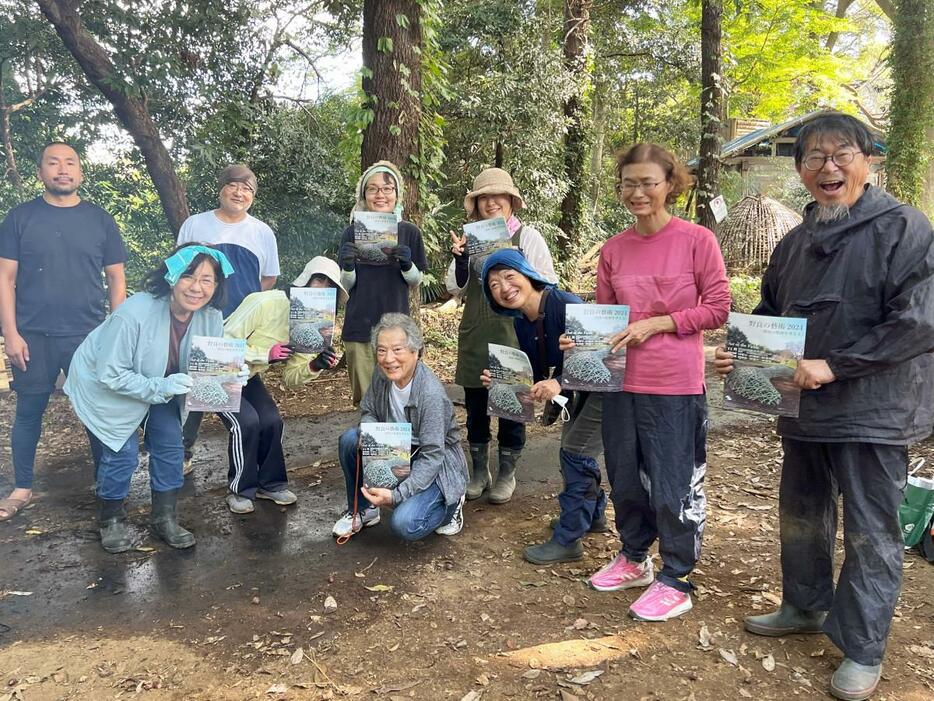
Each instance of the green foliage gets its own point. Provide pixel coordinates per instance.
(911, 137)
(746, 292)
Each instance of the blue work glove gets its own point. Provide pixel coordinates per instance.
(347, 255)
(403, 254)
(179, 383)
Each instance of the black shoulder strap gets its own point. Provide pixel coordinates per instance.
(540, 335)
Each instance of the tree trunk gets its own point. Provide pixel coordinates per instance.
(601, 110)
(392, 82)
(910, 144)
(129, 106)
(576, 112)
(708, 169)
(11, 171)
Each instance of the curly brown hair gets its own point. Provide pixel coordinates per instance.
(675, 172)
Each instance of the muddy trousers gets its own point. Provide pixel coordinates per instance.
(582, 500)
(255, 446)
(656, 458)
(871, 478)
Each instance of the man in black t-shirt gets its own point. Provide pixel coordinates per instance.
(52, 252)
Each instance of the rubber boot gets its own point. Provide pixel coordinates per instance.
(598, 525)
(553, 551)
(164, 522)
(853, 681)
(787, 620)
(505, 484)
(115, 538)
(479, 469)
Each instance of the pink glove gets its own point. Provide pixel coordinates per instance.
(279, 352)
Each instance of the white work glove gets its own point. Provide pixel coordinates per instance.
(179, 383)
(244, 375)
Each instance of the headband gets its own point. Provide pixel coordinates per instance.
(180, 261)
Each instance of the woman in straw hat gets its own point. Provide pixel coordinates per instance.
(256, 463)
(493, 195)
(376, 289)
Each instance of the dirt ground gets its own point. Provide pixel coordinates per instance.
(244, 615)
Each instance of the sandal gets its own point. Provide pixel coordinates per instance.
(9, 507)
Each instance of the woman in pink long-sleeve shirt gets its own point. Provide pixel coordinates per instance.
(671, 274)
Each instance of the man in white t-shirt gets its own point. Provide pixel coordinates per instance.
(248, 243)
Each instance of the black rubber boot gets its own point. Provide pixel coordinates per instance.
(505, 484)
(553, 551)
(787, 620)
(164, 522)
(479, 469)
(115, 538)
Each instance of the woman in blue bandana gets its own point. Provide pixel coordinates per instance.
(131, 370)
(513, 288)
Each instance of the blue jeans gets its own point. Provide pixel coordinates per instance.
(413, 519)
(163, 438)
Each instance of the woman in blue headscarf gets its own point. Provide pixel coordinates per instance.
(514, 288)
(131, 370)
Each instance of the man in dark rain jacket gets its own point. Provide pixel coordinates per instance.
(860, 269)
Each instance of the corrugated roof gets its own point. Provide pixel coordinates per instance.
(741, 143)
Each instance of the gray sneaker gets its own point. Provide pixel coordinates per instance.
(348, 524)
(454, 526)
(283, 497)
(239, 504)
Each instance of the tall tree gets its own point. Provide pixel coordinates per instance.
(129, 104)
(577, 114)
(708, 170)
(910, 159)
(392, 83)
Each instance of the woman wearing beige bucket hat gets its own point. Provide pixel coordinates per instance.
(493, 195)
(256, 462)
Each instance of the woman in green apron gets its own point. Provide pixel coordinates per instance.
(493, 195)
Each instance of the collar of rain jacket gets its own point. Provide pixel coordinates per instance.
(827, 238)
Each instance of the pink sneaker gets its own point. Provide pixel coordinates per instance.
(623, 574)
(660, 602)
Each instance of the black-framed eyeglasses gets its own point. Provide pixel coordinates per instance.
(816, 161)
(384, 190)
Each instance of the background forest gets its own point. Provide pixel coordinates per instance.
(548, 90)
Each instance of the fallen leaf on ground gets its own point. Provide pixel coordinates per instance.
(728, 656)
(586, 677)
(703, 636)
(297, 656)
(472, 696)
(379, 587)
(532, 674)
(768, 663)
(277, 689)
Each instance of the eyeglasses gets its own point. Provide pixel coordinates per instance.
(202, 281)
(384, 190)
(239, 187)
(628, 187)
(816, 161)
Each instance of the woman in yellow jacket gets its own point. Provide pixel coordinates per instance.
(256, 462)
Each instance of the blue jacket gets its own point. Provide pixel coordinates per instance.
(117, 372)
(554, 323)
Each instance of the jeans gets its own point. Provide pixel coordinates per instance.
(48, 355)
(413, 519)
(163, 439)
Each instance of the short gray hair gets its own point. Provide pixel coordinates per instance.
(393, 320)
